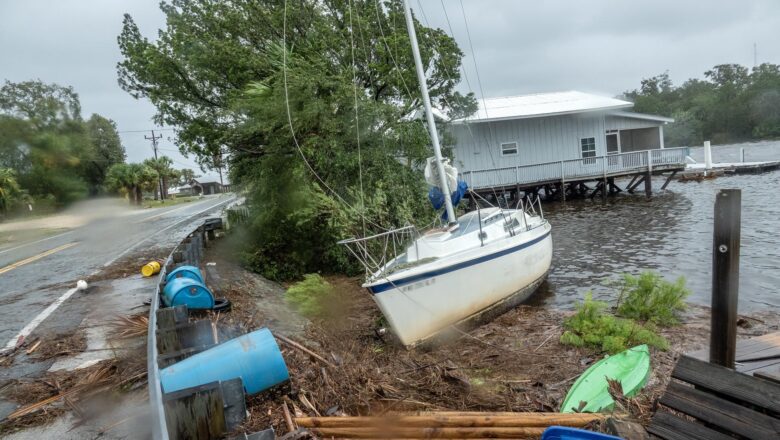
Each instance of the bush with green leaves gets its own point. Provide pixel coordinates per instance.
(310, 296)
(592, 326)
(650, 298)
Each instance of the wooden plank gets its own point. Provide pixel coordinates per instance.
(722, 413)
(771, 375)
(737, 386)
(745, 347)
(669, 427)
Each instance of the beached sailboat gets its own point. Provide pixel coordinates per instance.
(480, 264)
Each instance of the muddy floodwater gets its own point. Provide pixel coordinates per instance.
(670, 233)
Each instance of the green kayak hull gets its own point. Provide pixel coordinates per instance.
(630, 367)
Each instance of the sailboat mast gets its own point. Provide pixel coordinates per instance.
(428, 113)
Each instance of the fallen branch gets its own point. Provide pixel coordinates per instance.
(288, 417)
(34, 347)
(300, 347)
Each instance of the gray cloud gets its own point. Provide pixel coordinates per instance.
(603, 46)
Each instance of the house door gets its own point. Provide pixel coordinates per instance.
(613, 143)
(613, 147)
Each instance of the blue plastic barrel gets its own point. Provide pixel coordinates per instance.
(566, 433)
(188, 292)
(254, 357)
(191, 272)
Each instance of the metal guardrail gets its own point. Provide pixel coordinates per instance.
(159, 425)
(576, 169)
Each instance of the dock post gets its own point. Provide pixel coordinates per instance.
(563, 184)
(742, 154)
(604, 173)
(707, 157)
(649, 175)
(725, 277)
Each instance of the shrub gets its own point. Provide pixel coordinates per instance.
(591, 326)
(651, 298)
(310, 296)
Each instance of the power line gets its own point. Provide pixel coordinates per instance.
(144, 131)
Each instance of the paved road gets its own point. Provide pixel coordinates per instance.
(36, 274)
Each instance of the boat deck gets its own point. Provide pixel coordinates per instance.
(759, 356)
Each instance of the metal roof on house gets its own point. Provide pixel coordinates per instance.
(542, 104)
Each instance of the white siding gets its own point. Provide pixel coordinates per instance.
(539, 140)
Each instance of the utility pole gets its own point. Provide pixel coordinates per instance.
(755, 55)
(154, 139)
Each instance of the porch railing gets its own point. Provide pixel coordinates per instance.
(577, 169)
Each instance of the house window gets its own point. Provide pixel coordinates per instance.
(509, 149)
(588, 149)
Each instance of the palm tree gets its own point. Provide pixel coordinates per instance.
(164, 167)
(132, 179)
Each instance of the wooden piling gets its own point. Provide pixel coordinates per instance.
(648, 184)
(725, 276)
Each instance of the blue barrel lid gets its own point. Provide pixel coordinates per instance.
(185, 272)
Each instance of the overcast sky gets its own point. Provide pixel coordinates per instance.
(602, 46)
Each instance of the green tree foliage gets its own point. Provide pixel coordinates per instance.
(53, 152)
(649, 297)
(732, 103)
(185, 176)
(131, 180)
(216, 73)
(163, 165)
(10, 191)
(104, 150)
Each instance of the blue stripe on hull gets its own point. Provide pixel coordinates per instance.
(379, 288)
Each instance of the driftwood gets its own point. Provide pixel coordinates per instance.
(288, 417)
(454, 420)
(300, 347)
(411, 433)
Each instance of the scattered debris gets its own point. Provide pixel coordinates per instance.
(130, 326)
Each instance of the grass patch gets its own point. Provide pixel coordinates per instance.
(592, 326)
(648, 297)
(311, 296)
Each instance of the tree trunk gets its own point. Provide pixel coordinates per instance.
(139, 195)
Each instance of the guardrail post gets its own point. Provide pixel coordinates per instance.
(725, 276)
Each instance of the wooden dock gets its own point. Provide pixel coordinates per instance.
(759, 356)
(585, 177)
(711, 402)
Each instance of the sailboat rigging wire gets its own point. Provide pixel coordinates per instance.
(292, 129)
(390, 52)
(468, 84)
(357, 117)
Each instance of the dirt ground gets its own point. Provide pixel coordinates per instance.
(514, 363)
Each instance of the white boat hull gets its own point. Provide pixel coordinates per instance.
(420, 305)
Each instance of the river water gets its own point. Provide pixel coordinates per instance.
(670, 233)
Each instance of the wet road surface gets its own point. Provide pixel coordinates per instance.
(34, 275)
